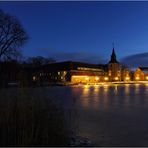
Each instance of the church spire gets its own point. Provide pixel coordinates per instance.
(113, 57)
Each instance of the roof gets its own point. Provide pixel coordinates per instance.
(144, 69)
(71, 65)
(113, 57)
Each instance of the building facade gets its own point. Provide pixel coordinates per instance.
(69, 72)
(74, 72)
(141, 74)
(78, 72)
(114, 68)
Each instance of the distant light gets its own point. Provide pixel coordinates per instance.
(97, 78)
(87, 78)
(137, 78)
(106, 78)
(146, 77)
(116, 78)
(127, 78)
(34, 78)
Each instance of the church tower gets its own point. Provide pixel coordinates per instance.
(114, 68)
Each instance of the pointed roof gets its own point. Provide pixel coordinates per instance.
(113, 57)
(144, 69)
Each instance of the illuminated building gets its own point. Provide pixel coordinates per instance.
(69, 72)
(74, 72)
(141, 74)
(126, 74)
(114, 68)
(78, 72)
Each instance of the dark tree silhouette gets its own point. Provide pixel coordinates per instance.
(39, 60)
(12, 35)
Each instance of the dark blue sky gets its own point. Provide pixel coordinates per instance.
(83, 31)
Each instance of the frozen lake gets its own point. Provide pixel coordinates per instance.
(110, 115)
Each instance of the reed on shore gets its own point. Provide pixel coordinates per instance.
(29, 119)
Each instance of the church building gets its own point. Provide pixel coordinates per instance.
(114, 68)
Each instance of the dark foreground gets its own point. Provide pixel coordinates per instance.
(109, 115)
(29, 118)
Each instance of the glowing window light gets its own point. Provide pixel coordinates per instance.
(86, 78)
(97, 78)
(34, 78)
(116, 78)
(127, 78)
(146, 77)
(106, 78)
(137, 78)
(79, 76)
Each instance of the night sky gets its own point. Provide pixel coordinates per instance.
(84, 31)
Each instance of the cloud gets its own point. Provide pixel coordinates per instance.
(80, 56)
(136, 60)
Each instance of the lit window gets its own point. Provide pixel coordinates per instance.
(116, 78)
(87, 78)
(106, 78)
(127, 78)
(146, 77)
(137, 78)
(34, 78)
(97, 78)
(58, 73)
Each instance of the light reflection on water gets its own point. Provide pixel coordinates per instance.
(105, 95)
(118, 113)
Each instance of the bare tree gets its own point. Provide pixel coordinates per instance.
(12, 35)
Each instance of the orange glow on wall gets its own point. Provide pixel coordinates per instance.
(87, 78)
(84, 79)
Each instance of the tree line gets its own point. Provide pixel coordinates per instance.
(12, 37)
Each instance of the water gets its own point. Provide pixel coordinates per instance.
(109, 115)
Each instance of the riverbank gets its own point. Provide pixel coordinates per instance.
(99, 83)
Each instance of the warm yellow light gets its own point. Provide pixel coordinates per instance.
(127, 78)
(146, 77)
(87, 78)
(116, 78)
(137, 78)
(105, 78)
(97, 78)
(80, 76)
